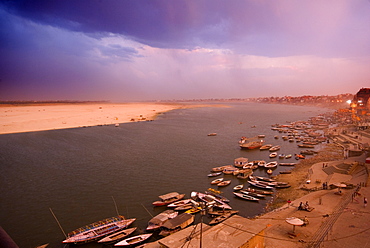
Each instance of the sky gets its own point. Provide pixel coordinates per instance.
(142, 50)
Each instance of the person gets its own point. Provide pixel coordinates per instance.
(289, 201)
(300, 206)
(305, 220)
(365, 202)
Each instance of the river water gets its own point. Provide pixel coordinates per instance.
(79, 173)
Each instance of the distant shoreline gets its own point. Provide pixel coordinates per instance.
(50, 116)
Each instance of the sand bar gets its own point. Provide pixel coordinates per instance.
(39, 117)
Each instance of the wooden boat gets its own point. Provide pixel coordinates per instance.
(252, 145)
(224, 183)
(236, 172)
(134, 240)
(211, 199)
(274, 148)
(282, 186)
(179, 203)
(97, 230)
(230, 170)
(246, 197)
(221, 212)
(266, 147)
(215, 174)
(217, 181)
(269, 171)
(184, 207)
(271, 164)
(217, 195)
(252, 194)
(244, 174)
(176, 224)
(261, 163)
(265, 179)
(282, 156)
(262, 192)
(168, 198)
(259, 185)
(285, 172)
(220, 218)
(288, 156)
(212, 134)
(261, 136)
(273, 155)
(193, 210)
(117, 235)
(218, 169)
(305, 146)
(213, 191)
(158, 220)
(299, 156)
(240, 162)
(249, 165)
(238, 187)
(287, 164)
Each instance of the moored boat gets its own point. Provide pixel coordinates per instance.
(287, 164)
(266, 147)
(215, 174)
(224, 183)
(252, 194)
(260, 185)
(168, 198)
(273, 155)
(238, 187)
(217, 181)
(179, 203)
(274, 148)
(97, 230)
(271, 164)
(263, 192)
(211, 199)
(134, 240)
(117, 235)
(158, 220)
(252, 145)
(246, 197)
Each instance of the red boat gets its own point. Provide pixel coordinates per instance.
(168, 198)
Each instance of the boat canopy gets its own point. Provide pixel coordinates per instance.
(181, 221)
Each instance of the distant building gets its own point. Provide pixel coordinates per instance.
(360, 103)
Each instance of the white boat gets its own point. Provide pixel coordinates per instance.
(179, 203)
(246, 197)
(238, 187)
(211, 200)
(288, 156)
(273, 155)
(158, 220)
(259, 185)
(271, 164)
(262, 163)
(287, 164)
(134, 240)
(217, 181)
(215, 174)
(117, 235)
(281, 155)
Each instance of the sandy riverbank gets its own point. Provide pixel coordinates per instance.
(40, 117)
